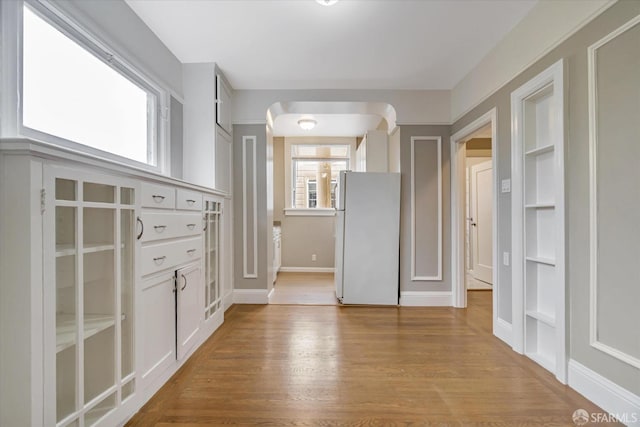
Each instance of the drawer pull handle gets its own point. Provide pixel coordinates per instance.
(159, 228)
(191, 226)
(158, 198)
(191, 251)
(190, 202)
(205, 219)
(141, 227)
(185, 282)
(159, 260)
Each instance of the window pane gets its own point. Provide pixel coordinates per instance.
(315, 182)
(71, 94)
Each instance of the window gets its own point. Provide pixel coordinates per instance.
(312, 194)
(77, 94)
(314, 176)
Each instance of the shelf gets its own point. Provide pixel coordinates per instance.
(540, 150)
(541, 260)
(70, 249)
(543, 317)
(540, 206)
(66, 328)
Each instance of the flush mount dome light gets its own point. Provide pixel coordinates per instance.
(307, 124)
(327, 2)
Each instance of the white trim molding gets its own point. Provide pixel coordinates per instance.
(306, 270)
(246, 140)
(593, 198)
(458, 216)
(309, 212)
(425, 299)
(250, 296)
(502, 329)
(605, 393)
(438, 141)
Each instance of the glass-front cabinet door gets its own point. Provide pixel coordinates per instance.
(212, 292)
(89, 272)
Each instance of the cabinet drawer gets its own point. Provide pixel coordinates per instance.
(158, 196)
(161, 256)
(188, 200)
(158, 226)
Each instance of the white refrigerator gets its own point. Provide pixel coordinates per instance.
(367, 238)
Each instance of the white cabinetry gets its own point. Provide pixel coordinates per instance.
(207, 145)
(538, 226)
(102, 283)
(372, 154)
(213, 305)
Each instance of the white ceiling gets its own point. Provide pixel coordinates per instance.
(355, 44)
(328, 124)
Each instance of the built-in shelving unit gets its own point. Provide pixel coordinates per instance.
(213, 292)
(93, 258)
(538, 206)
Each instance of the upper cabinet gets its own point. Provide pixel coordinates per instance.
(223, 103)
(207, 127)
(372, 154)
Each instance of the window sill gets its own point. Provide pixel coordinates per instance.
(310, 212)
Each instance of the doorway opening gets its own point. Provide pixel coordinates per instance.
(475, 245)
(302, 186)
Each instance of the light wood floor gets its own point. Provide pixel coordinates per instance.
(277, 365)
(304, 288)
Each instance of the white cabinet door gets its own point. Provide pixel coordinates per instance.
(157, 326)
(188, 308)
(223, 104)
(224, 162)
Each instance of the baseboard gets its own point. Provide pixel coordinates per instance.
(270, 295)
(605, 393)
(503, 330)
(227, 300)
(306, 269)
(250, 296)
(426, 299)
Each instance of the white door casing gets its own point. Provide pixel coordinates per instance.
(481, 230)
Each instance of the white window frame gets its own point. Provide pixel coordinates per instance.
(288, 171)
(11, 109)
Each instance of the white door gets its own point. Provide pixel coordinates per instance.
(188, 309)
(481, 193)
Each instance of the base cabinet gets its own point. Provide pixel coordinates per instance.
(97, 329)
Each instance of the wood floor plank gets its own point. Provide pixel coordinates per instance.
(303, 365)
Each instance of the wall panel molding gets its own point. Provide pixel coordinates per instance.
(415, 215)
(249, 219)
(594, 243)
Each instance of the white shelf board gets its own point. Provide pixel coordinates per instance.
(541, 260)
(543, 317)
(70, 249)
(540, 150)
(66, 328)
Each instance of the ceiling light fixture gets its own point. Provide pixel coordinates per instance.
(327, 2)
(307, 124)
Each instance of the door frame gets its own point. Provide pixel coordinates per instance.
(501, 328)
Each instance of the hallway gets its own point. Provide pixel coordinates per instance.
(320, 365)
(304, 288)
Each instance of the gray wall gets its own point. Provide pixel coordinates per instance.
(426, 243)
(264, 238)
(574, 52)
(302, 236)
(130, 36)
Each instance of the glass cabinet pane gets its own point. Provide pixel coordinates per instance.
(127, 239)
(99, 301)
(99, 193)
(66, 317)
